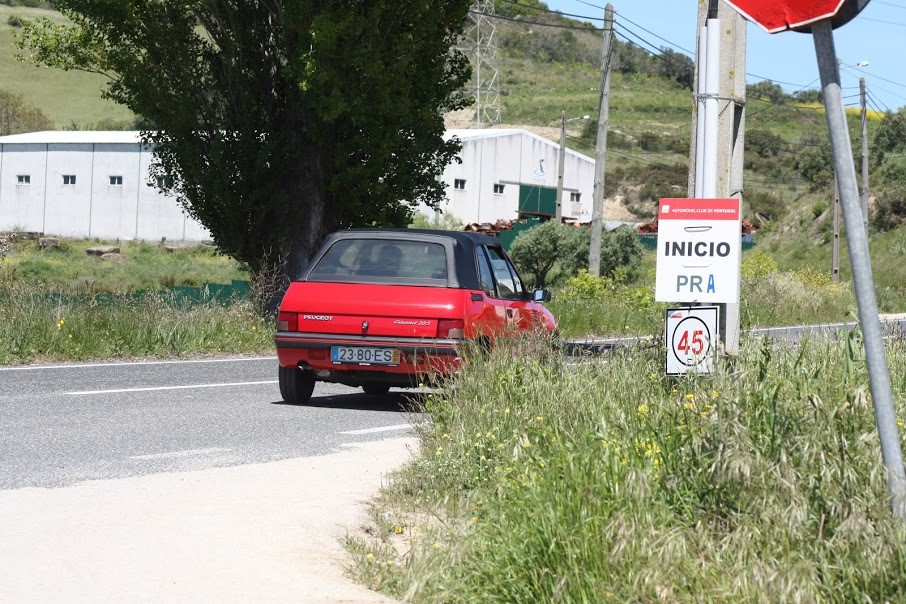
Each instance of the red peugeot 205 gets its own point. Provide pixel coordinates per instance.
(382, 307)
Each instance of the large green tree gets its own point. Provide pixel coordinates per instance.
(278, 121)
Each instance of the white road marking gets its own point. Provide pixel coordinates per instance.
(188, 453)
(131, 363)
(382, 429)
(123, 390)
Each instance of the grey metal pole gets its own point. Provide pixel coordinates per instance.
(860, 261)
(597, 198)
(864, 153)
(559, 210)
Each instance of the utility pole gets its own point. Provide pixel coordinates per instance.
(864, 153)
(835, 248)
(597, 203)
(559, 211)
(730, 96)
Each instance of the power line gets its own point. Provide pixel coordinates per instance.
(875, 102)
(674, 44)
(884, 22)
(656, 53)
(590, 4)
(888, 91)
(868, 73)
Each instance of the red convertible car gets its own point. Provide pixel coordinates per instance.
(385, 307)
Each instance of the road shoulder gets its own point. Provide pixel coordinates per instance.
(262, 532)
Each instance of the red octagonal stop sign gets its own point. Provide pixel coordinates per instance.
(780, 15)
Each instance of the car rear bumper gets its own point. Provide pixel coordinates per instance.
(420, 357)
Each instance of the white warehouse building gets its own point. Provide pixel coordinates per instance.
(87, 184)
(509, 174)
(96, 184)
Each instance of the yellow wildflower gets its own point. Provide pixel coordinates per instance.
(690, 405)
(642, 409)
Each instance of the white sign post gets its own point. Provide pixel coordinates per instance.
(699, 245)
(692, 339)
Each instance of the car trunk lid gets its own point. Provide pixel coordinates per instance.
(373, 310)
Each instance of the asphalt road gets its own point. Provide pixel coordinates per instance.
(64, 424)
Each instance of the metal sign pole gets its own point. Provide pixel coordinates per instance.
(860, 261)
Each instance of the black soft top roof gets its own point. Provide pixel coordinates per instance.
(465, 238)
(460, 247)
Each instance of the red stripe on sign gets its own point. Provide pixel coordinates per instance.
(699, 209)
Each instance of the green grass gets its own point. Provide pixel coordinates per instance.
(541, 481)
(772, 294)
(142, 266)
(37, 326)
(68, 98)
(49, 309)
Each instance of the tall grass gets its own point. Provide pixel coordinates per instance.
(588, 306)
(36, 326)
(543, 481)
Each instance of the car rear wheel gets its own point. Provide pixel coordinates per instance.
(376, 389)
(295, 385)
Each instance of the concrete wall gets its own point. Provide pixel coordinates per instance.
(512, 160)
(95, 205)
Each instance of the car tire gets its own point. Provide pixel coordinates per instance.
(376, 389)
(296, 386)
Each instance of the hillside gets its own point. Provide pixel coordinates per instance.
(70, 99)
(544, 70)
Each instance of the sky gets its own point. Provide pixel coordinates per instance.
(877, 35)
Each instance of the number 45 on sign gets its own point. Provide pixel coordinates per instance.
(692, 337)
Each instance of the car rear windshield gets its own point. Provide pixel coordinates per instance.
(382, 261)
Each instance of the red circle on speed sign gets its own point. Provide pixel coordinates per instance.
(691, 341)
(781, 15)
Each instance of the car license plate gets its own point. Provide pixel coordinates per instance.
(367, 356)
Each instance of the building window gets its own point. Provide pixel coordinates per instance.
(164, 182)
(498, 189)
(575, 196)
(23, 179)
(459, 183)
(116, 181)
(69, 179)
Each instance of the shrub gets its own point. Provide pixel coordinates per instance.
(890, 208)
(547, 250)
(764, 143)
(770, 205)
(536, 250)
(757, 265)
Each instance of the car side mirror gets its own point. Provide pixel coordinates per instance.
(541, 295)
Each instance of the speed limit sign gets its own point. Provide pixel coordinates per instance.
(692, 337)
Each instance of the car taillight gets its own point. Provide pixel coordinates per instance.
(287, 321)
(451, 328)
